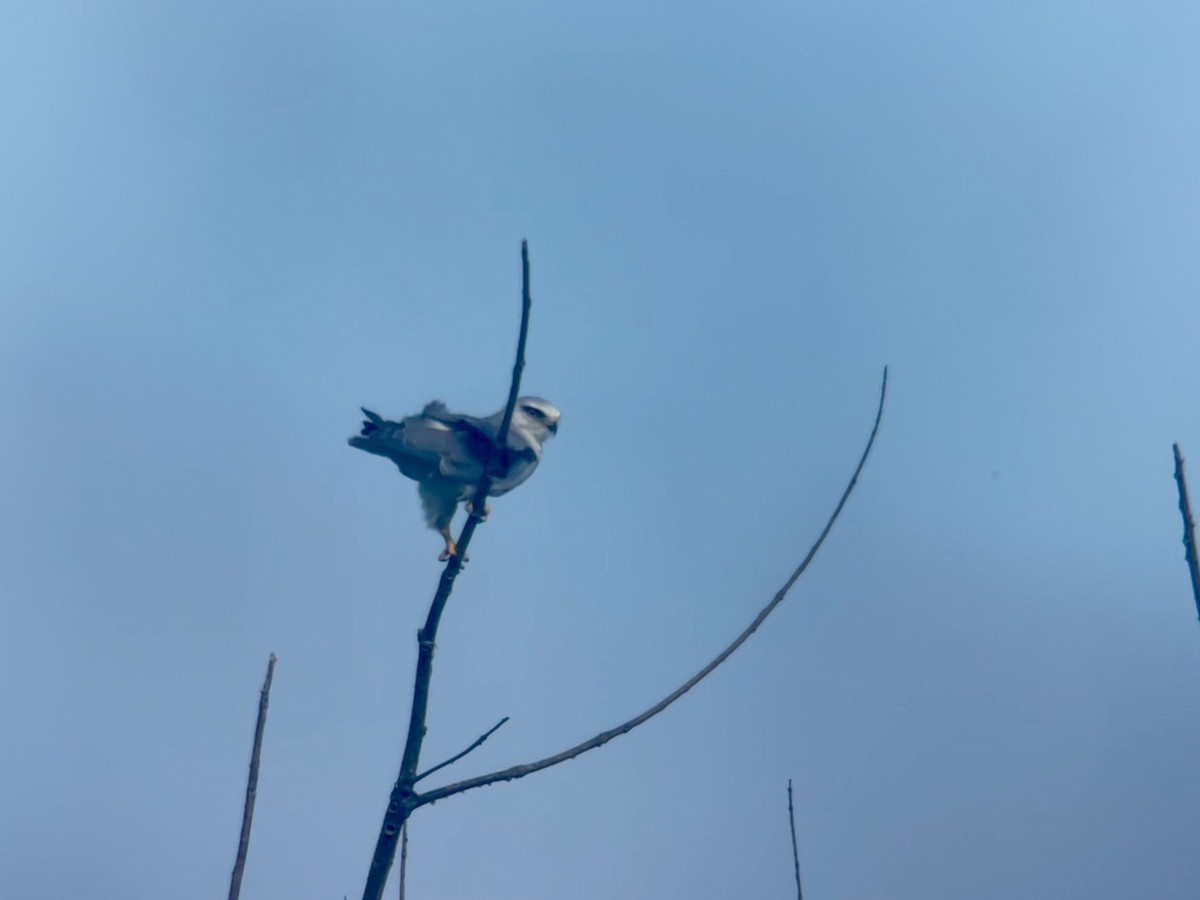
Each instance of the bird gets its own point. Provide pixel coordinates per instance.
(446, 452)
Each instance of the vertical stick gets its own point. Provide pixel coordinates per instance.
(1189, 527)
(403, 798)
(239, 865)
(403, 856)
(514, 387)
(795, 852)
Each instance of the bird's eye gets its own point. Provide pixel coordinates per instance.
(535, 412)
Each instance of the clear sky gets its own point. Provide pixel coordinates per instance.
(225, 226)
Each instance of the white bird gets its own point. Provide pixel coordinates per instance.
(445, 453)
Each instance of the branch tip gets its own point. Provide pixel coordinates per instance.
(239, 864)
(477, 743)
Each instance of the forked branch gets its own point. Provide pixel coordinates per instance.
(605, 736)
(404, 798)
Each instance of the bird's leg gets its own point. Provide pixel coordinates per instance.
(451, 547)
(486, 510)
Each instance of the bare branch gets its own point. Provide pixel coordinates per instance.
(605, 736)
(1189, 527)
(403, 798)
(403, 858)
(795, 852)
(519, 366)
(478, 743)
(239, 865)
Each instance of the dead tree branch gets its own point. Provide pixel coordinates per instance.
(1189, 527)
(403, 798)
(239, 865)
(403, 858)
(795, 851)
(605, 736)
(514, 387)
(478, 743)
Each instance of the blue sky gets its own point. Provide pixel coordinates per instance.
(226, 226)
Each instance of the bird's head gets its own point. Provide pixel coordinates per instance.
(536, 418)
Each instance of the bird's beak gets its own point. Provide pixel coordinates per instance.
(553, 426)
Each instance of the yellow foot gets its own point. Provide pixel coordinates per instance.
(486, 510)
(451, 550)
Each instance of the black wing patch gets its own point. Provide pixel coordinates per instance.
(480, 445)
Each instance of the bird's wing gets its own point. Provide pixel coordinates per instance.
(422, 447)
(479, 430)
(452, 445)
(516, 460)
(519, 466)
(463, 444)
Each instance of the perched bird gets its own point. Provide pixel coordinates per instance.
(445, 453)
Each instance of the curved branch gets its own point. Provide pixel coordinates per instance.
(605, 736)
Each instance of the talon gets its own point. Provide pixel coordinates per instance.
(451, 550)
(486, 510)
(451, 547)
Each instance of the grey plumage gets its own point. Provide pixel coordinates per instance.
(445, 453)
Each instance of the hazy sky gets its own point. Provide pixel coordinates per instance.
(226, 226)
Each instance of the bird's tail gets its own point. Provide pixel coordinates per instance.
(375, 433)
(372, 423)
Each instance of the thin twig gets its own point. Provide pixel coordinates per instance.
(478, 743)
(605, 736)
(403, 798)
(403, 857)
(1189, 527)
(514, 387)
(239, 865)
(795, 852)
